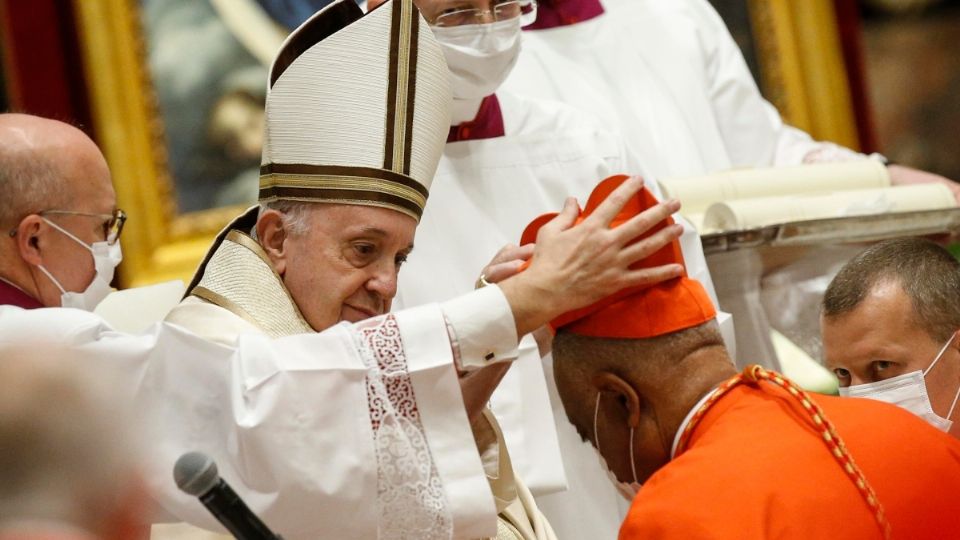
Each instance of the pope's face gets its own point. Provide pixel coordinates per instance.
(344, 268)
(880, 339)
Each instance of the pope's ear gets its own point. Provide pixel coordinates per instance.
(28, 239)
(272, 237)
(606, 381)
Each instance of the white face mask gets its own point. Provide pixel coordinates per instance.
(480, 56)
(105, 261)
(908, 391)
(627, 490)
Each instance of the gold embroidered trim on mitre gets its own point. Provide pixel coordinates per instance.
(342, 189)
(336, 182)
(241, 279)
(404, 30)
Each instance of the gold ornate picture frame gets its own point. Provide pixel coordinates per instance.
(796, 52)
(159, 243)
(797, 45)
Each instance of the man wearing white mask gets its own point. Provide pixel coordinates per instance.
(891, 328)
(670, 77)
(59, 215)
(508, 158)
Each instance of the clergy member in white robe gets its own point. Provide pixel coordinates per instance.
(509, 158)
(671, 79)
(484, 191)
(310, 162)
(238, 291)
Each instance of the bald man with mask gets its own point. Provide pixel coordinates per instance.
(59, 214)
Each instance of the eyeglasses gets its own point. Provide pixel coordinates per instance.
(502, 11)
(112, 223)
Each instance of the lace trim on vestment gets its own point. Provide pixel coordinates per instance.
(412, 502)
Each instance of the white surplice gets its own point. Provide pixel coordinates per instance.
(484, 194)
(290, 421)
(669, 76)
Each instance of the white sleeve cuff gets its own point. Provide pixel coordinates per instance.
(483, 327)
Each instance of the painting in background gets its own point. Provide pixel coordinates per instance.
(210, 91)
(209, 61)
(913, 70)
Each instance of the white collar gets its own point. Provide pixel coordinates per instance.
(687, 419)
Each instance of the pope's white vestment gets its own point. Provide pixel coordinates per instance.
(484, 194)
(290, 421)
(669, 76)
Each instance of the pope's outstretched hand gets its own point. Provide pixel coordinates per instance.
(573, 267)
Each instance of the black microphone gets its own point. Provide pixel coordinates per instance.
(196, 474)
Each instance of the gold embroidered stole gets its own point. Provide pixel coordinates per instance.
(239, 277)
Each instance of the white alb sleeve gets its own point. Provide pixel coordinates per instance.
(484, 331)
(334, 434)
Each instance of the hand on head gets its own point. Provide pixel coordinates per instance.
(573, 267)
(507, 262)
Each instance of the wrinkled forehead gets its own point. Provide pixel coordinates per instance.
(350, 219)
(882, 327)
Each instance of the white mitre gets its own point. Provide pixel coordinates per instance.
(358, 110)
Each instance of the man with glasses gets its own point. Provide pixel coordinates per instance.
(59, 207)
(506, 158)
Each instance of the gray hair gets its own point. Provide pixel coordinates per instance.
(68, 453)
(928, 274)
(30, 182)
(296, 214)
